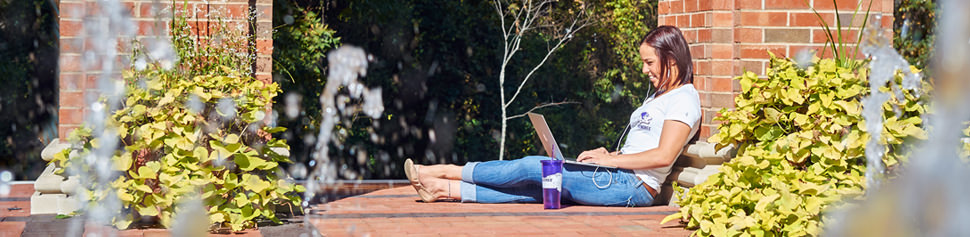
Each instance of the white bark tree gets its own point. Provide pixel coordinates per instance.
(518, 20)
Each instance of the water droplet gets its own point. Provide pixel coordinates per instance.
(804, 58)
(298, 171)
(5, 178)
(293, 105)
(140, 64)
(194, 104)
(190, 218)
(226, 108)
(97, 107)
(362, 157)
(288, 19)
(309, 139)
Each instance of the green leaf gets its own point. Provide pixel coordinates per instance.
(122, 162)
(145, 172)
(852, 107)
(735, 129)
(275, 129)
(241, 200)
(254, 183)
(155, 166)
(675, 216)
(122, 223)
(773, 116)
(201, 153)
(217, 217)
(231, 181)
(248, 213)
(155, 84)
(140, 186)
(765, 133)
(147, 211)
(138, 110)
(800, 119)
(232, 139)
(826, 99)
(765, 201)
(796, 96)
(169, 98)
(248, 163)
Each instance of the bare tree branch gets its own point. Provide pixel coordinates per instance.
(527, 17)
(541, 106)
(562, 39)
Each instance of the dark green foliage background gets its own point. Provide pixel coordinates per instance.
(458, 99)
(28, 73)
(914, 30)
(438, 64)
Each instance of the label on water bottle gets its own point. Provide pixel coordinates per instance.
(553, 181)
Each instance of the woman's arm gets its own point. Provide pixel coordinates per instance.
(672, 139)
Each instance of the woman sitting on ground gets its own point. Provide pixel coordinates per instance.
(659, 129)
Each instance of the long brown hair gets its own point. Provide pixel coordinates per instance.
(669, 44)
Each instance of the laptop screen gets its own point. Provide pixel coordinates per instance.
(545, 136)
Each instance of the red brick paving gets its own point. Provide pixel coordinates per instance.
(19, 197)
(396, 211)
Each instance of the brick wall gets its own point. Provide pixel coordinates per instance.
(728, 37)
(78, 78)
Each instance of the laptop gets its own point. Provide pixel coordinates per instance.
(549, 142)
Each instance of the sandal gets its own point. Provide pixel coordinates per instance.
(412, 173)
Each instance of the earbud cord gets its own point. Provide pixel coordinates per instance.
(594, 178)
(625, 129)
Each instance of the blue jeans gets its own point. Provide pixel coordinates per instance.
(505, 181)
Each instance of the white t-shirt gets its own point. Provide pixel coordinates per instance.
(646, 124)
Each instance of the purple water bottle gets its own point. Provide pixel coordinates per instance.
(551, 183)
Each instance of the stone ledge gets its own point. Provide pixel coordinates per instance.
(52, 204)
(56, 146)
(701, 154)
(697, 162)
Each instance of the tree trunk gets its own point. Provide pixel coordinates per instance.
(501, 86)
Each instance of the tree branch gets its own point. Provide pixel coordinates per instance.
(501, 14)
(562, 39)
(541, 106)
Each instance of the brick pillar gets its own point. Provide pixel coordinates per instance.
(728, 37)
(78, 79)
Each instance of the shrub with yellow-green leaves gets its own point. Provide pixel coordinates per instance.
(801, 144)
(191, 138)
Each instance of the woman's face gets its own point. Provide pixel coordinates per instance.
(651, 66)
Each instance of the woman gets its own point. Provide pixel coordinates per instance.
(658, 130)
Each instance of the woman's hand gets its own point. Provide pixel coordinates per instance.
(597, 156)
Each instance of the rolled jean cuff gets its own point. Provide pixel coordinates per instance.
(468, 193)
(467, 171)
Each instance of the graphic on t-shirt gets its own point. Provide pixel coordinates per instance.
(644, 122)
